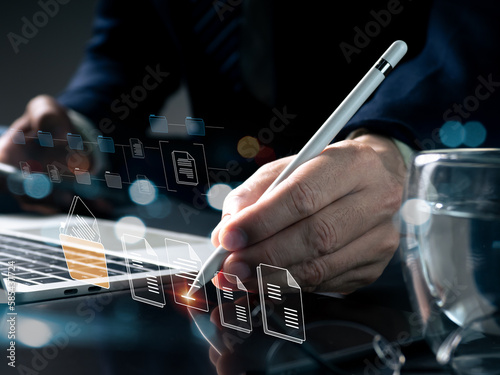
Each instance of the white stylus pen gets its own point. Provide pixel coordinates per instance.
(322, 138)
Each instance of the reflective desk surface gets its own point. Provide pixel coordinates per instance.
(110, 333)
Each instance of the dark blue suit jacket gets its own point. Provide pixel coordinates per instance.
(298, 63)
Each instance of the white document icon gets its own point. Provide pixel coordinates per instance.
(186, 263)
(234, 305)
(184, 168)
(285, 318)
(145, 263)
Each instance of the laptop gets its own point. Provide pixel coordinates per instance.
(37, 263)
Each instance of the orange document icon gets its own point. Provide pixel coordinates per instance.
(83, 250)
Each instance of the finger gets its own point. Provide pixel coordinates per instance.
(306, 191)
(357, 264)
(328, 230)
(248, 193)
(325, 272)
(214, 356)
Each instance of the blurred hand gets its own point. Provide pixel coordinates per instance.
(42, 113)
(46, 114)
(330, 223)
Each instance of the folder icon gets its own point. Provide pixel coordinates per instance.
(82, 176)
(113, 180)
(285, 318)
(75, 141)
(45, 139)
(184, 168)
(186, 263)
(159, 124)
(82, 247)
(137, 148)
(234, 304)
(106, 144)
(195, 126)
(54, 174)
(147, 264)
(17, 137)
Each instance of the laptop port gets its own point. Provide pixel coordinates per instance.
(68, 292)
(94, 288)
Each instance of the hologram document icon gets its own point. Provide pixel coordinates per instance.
(184, 168)
(82, 247)
(137, 148)
(234, 305)
(144, 261)
(186, 264)
(285, 317)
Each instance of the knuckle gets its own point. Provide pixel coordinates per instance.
(271, 256)
(363, 153)
(314, 272)
(302, 197)
(325, 235)
(392, 196)
(391, 242)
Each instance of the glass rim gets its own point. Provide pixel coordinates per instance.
(458, 150)
(454, 155)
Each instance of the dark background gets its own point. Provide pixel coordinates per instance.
(46, 63)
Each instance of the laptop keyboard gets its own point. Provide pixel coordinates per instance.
(39, 263)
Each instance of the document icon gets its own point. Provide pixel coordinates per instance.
(25, 169)
(81, 243)
(145, 186)
(75, 141)
(82, 176)
(159, 124)
(17, 137)
(184, 168)
(113, 180)
(106, 144)
(145, 262)
(54, 174)
(186, 263)
(285, 317)
(234, 305)
(195, 126)
(137, 148)
(45, 139)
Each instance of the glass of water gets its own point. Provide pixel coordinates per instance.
(451, 250)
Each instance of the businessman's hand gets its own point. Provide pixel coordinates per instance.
(42, 113)
(330, 223)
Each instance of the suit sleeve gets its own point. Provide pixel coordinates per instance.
(454, 78)
(130, 65)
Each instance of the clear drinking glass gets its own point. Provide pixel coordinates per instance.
(451, 250)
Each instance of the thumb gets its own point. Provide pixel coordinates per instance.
(248, 193)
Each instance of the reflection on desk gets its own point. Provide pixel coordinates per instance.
(110, 333)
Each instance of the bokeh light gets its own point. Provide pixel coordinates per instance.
(248, 147)
(160, 209)
(415, 211)
(38, 186)
(131, 225)
(452, 134)
(143, 192)
(34, 333)
(217, 194)
(14, 184)
(475, 134)
(266, 155)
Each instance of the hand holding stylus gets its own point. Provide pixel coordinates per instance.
(326, 214)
